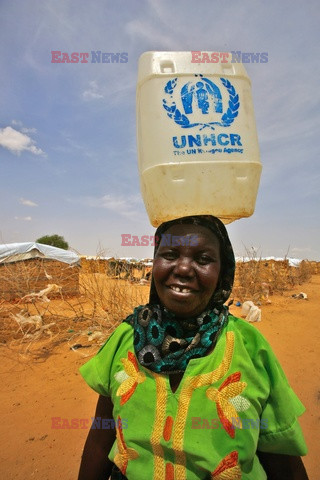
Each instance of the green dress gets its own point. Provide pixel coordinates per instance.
(229, 404)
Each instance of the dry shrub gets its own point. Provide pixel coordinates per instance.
(87, 317)
(256, 279)
(21, 278)
(304, 272)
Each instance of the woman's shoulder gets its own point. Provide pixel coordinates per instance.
(252, 350)
(242, 325)
(248, 335)
(122, 334)
(97, 371)
(124, 328)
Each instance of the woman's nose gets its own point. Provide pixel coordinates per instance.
(183, 267)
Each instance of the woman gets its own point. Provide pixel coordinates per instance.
(194, 392)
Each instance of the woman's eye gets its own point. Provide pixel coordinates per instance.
(168, 255)
(204, 260)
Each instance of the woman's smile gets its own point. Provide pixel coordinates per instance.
(180, 289)
(186, 275)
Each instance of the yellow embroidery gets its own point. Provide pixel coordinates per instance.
(130, 378)
(124, 453)
(162, 469)
(160, 417)
(204, 379)
(227, 412)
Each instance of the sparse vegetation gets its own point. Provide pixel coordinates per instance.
(257, 278)
(84, 307)
(98, 304)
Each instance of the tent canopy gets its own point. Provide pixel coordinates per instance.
(14, 252)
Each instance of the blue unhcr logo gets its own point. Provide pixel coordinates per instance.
(200, 97)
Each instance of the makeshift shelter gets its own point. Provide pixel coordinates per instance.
(124, 268)
(94, 264)
(128, 268)
(30, 267)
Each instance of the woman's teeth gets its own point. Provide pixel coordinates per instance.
(183, 290)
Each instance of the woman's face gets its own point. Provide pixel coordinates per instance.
(186, 275)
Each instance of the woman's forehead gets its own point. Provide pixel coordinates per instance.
(195, 230)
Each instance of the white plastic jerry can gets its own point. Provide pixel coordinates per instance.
(198, 149)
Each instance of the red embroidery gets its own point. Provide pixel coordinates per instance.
(133, 376)
(228, 468)
(169, 471)
(228, 390)
(168, 428)
(229, 428)
(234, 377)
(124, 454)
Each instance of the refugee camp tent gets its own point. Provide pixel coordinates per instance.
(30, 267)
(13, 252)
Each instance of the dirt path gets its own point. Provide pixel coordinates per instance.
(32, 393)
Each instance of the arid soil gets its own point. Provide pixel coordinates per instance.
(34, 390)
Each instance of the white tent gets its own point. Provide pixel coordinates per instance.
(293, 262)
(13, 252)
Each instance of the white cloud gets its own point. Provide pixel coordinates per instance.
(126, 206)
(17, 142)
(18, 123)
(119, 204)
(25, 219)
(28, 203)
(28, 130)
(119, 89)
(93, 92)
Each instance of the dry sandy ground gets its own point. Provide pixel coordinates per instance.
(34, 392)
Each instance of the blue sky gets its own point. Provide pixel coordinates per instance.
(67, 131)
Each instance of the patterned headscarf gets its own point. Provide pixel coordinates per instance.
(165, 344)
